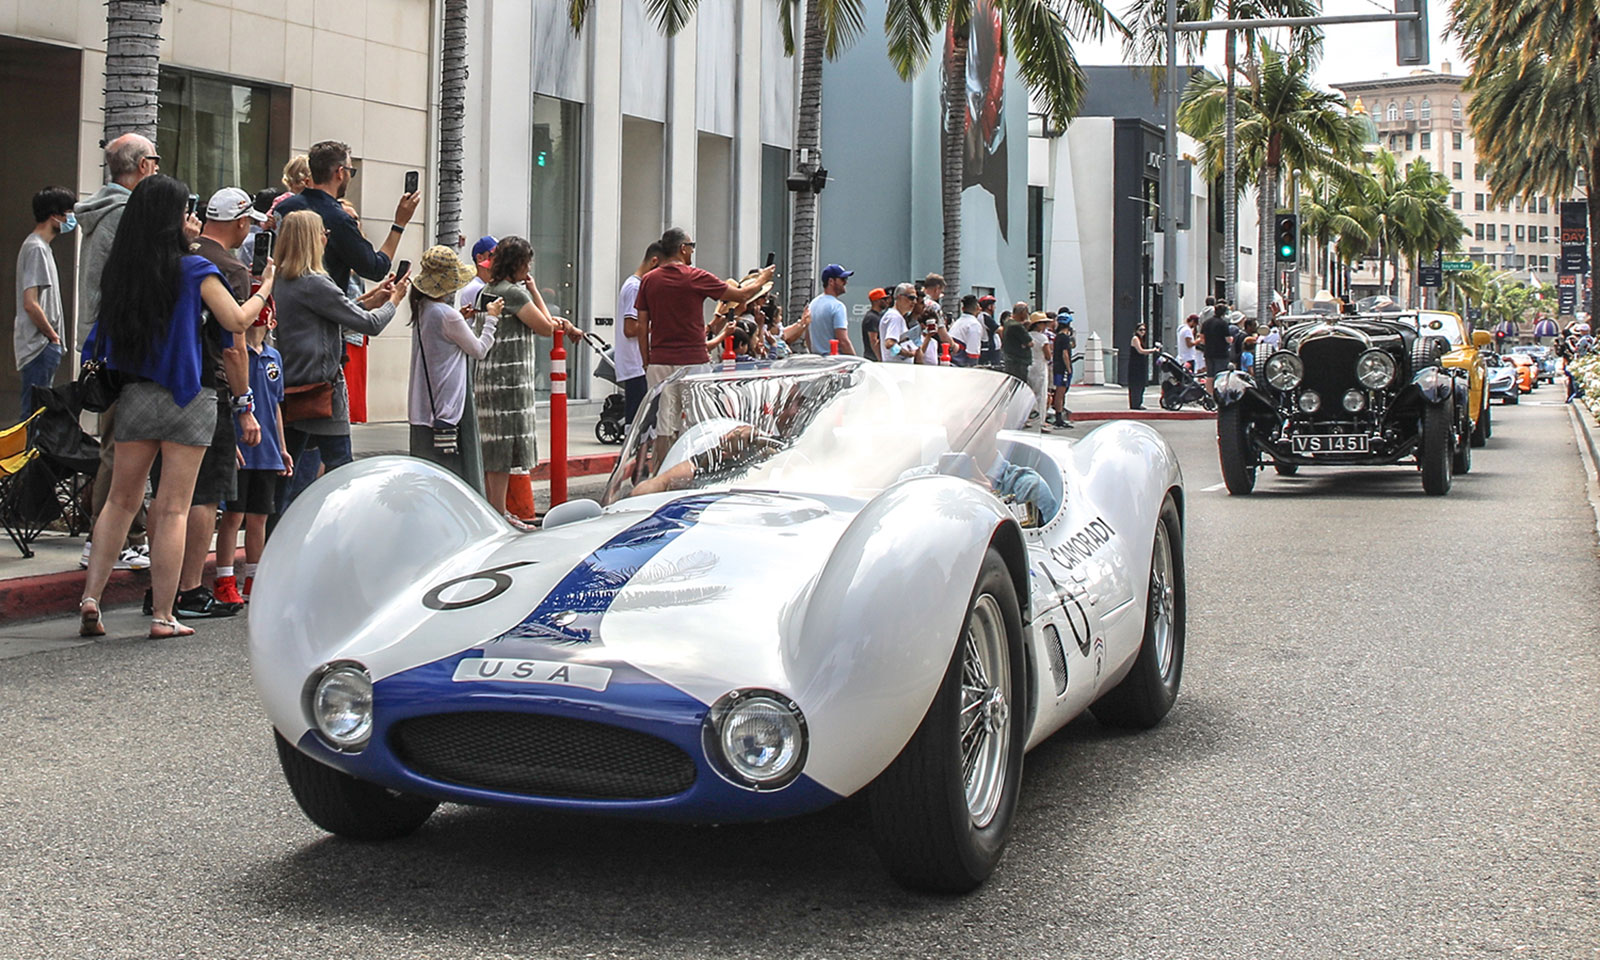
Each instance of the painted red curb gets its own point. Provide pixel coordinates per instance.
(586, 466)
(57, 594)
(1081, 415)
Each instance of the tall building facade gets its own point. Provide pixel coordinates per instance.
(1424, 114)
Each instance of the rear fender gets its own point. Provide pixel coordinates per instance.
(881, 622)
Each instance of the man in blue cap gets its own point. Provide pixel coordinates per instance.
(829, 318)
(482, 258)
(1061, 366)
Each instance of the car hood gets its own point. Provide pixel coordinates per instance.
(692, 589)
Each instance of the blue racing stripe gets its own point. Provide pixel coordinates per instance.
(570, 613)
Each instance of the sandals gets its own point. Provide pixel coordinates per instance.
(172, 627)
(89, 624)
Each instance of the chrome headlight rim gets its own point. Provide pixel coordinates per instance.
(720, 722)
(1375, 369)
(1284, 370)
(1309, 401)
(349, 683)
(1354, 401)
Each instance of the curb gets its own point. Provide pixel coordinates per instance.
(584, 466)
(57, 594)
(1079, 416)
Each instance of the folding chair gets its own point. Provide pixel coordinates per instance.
(21, 477)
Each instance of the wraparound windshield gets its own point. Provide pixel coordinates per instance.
(832, 425)
(1446, 325)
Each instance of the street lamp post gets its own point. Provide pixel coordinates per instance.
(1169, 187)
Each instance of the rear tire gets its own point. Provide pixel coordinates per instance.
(1516, 397)
(1149, 690)
(933, 829)
(1233, 450)
(343, 805)
(1434, 454)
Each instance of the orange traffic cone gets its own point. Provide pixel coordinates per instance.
(944, 355)
(519, 495)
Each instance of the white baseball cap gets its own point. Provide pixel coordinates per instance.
(231, 203)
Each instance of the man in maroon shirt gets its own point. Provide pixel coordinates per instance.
(672, 326)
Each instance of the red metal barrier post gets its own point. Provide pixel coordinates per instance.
(558, 423)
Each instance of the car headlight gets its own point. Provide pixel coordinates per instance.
(341, 705)
(1310, 402)
(1375, 369)
(757, 738)
(1284, 370)
(1355, 401)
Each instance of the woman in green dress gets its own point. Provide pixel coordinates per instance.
(505, 386)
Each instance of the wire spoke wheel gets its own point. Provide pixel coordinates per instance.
(985, 715)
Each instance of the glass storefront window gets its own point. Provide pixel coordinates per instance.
(213, 132)
(556, 165)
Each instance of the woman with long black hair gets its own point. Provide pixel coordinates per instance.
(152, 293)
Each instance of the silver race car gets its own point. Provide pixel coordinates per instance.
(806, 580)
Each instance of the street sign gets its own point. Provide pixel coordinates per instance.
(1430, 277)
(1455, 266)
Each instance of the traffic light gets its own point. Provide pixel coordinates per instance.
(1411, 36)
(1287, 230)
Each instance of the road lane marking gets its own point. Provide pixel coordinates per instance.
(1213, 488)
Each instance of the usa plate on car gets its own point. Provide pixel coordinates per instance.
(516, 670)
(1330, 443)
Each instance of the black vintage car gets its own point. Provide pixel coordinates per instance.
(1345, 389)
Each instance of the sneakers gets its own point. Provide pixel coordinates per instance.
(129, 559)
(248, 583)
(200, 603)
(226, 590)
(132, 559)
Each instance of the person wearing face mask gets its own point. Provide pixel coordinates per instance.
(37, 334)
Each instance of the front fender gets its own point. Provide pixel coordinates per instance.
(350, 544)
(1234, 388)
(882, 620)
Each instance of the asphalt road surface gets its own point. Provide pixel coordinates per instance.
(1387, 745)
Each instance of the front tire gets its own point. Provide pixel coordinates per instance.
(1516, 397)
(1484, 428)
(343, 805)
(942, 811)
(1434, 455)
(1149, 690)
(1233, 450)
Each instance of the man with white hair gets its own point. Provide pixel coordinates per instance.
(129, 159)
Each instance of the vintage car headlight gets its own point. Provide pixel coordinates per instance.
(1310, 402)
(1375, 369)
(757, 738)
(1284, 370)
(341, 706)
(1355, 401)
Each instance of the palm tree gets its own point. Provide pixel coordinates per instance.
(133, 51)
(1338, 218)
(1038, 33)
(1284, 120)
(452, 120)
(1535, 82)
(1147, 44)
(830, 27)
(1426, 224)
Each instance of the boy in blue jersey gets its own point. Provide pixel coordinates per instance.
(260, 467)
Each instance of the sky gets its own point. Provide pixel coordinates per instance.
(1358, 51)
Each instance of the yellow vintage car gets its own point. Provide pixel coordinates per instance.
(1463, 355)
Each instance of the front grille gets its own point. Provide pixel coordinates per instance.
(1330, 364)
(543, 756)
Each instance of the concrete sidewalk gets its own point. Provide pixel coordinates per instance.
(50, 582)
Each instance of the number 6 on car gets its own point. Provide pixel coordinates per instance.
(743, 629)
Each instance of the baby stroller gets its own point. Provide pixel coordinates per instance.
(611, 425)
(1179, 385)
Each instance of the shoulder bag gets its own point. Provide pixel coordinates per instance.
(98, 383)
